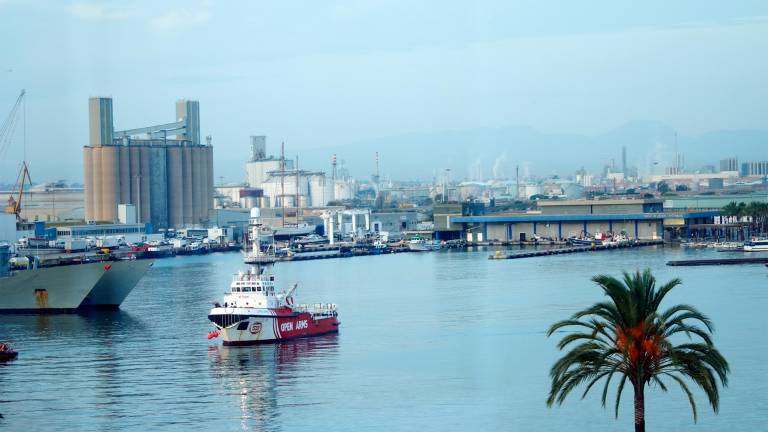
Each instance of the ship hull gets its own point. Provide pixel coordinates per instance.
(49, 289)
(115, 285)
(261, 329)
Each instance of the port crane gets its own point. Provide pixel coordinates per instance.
(6, 135)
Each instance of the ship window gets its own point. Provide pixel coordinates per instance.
(258, 288)
(246, 289)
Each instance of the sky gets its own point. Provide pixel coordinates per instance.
(321, 74)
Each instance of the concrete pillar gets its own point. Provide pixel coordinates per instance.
(341, 222)
(331, 236)
(368, 221)
(354, 223)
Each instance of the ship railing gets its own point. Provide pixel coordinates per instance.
(315, 307)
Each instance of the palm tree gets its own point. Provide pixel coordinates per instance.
(628, 336)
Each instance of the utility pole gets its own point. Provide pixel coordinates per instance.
(517, 172)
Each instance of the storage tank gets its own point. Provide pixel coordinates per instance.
(88, 180)
(317, 190)
(97, 184)
(250, 197)
(175, 191)
(144, 206)
(125, 175)
(187, 184)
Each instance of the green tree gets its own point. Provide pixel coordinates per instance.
(629, 337)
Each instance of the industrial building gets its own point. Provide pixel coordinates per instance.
(283, 184)
(168, 180)
(754, 169)
(643, 219)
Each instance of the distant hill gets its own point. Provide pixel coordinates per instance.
(476, 153)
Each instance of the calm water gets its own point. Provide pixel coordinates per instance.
(436, 341)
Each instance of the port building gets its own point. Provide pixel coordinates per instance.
(165, 172)
(643, 219)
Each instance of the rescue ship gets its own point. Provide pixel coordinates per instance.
(254, 312)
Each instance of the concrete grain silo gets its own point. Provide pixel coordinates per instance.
(197, 176)
(143, 207)
(125, 175)
(97, 189)
(135, 175)
(187, 185)
(163, 170)
(158, 192)
(175, 191)
(210, 193)
(110, 178)
(205, 198)
(88, 180)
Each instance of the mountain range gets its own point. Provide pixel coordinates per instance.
(483, 153)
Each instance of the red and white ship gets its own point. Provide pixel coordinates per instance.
(253, 312)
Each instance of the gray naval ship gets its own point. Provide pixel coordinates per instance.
(67, 288)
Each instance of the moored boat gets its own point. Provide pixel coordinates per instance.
(756, 245)
(423, 245)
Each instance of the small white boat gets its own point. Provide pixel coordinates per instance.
(756, 245)
(423, 245)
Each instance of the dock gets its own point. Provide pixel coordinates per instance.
(719, 261)
(574, 249)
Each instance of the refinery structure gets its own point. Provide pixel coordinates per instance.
(278, 182)
(161, 174)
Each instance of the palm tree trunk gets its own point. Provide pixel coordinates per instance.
(639, 408)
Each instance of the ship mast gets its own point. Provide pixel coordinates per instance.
(298, 193)
(282, 180)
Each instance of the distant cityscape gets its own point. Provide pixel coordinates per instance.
(163, 175)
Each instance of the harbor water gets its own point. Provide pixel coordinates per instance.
(448, 341)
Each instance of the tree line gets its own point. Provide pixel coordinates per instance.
(757, 211)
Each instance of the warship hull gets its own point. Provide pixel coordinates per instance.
(49, 289)
(114, 286)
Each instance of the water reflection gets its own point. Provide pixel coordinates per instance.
(257, 377)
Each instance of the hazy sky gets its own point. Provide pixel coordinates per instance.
(318, 73)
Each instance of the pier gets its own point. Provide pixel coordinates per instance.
(574, 249)
(719, 261)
